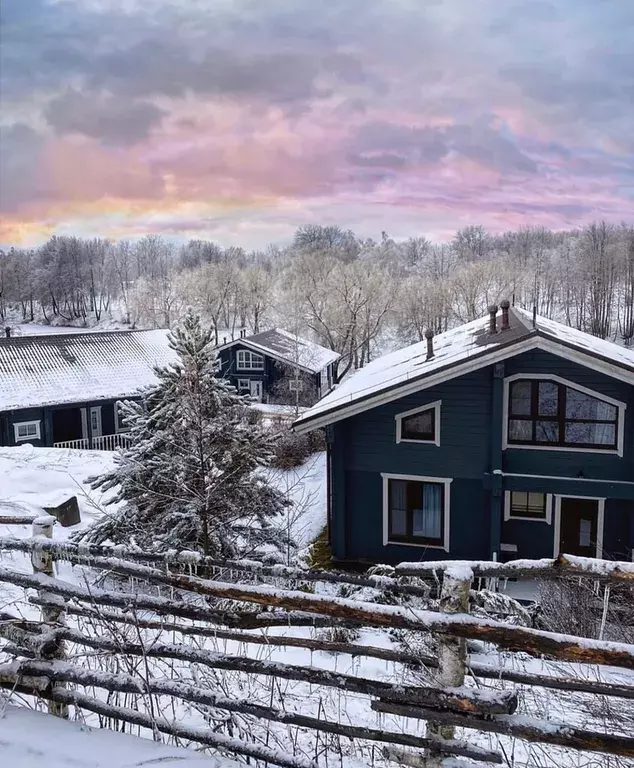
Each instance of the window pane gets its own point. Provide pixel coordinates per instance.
(418, 427)
(589, 433)
(521, 398)
(520, 430)
(546, 432)
(548, 398)
(536, 504)
(427, 522)
(582, 406)
(398, 507)
(519, 501)
(585, 533)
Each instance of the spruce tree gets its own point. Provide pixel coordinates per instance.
(190, 478)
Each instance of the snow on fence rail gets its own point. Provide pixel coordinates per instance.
(44, 665)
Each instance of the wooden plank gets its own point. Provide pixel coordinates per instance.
(529, 729)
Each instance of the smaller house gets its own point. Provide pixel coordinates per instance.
(276, 366)
(63, 390)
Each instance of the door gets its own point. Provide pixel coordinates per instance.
(95, 421)
(256, 389)
(579, 527)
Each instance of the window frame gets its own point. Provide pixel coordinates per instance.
(296, 385)
(446, 511)
(241, 360)
(614, 450)
(33, 422)
(241, 382)
(508, 512)
(435, 407)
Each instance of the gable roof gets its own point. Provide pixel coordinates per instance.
(288, 348)
(79, 367)
(458, 351)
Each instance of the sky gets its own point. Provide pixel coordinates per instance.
(240, 120)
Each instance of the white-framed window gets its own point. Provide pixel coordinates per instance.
(528, 505)
(296, 385)
(416, 510)
(549, 413)
(27, 430)
(249, 361)
(420, 425)
(119, 423)
(244, 385)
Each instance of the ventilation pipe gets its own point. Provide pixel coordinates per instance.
(493, 319)
(505, 306)
(429, 335)
(7, 332)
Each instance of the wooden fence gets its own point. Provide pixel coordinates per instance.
(153, 595)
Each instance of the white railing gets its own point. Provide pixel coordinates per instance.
(83, 444)
(101, 443)
(110, 442)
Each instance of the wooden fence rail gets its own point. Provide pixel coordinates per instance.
(209, 608)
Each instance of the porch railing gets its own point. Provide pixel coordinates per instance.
(101, 443)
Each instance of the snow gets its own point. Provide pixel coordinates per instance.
(451, 348)
(79, 367)
(30, 739)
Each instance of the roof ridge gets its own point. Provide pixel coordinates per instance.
(79, 334)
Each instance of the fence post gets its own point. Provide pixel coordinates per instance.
(452, 651)
(42, 562)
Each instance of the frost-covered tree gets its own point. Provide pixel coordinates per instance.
(191, 478)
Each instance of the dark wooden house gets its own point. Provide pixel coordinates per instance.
(63, 390)
(276, 366)
(508, 437)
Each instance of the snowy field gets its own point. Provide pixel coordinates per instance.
(31, 739)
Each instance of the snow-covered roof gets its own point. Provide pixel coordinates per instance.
(79, 367)
(388, 376)
(289, 348)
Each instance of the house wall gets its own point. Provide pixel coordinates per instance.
(470, 452)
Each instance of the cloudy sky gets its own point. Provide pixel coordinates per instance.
(239, 120)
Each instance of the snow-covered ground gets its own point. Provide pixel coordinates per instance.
(31, 739)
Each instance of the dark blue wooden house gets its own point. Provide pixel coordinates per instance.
(276, 366)
(508, 437)
(63, 390)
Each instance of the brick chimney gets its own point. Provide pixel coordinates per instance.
(493, 319)
(429, 335)
(506, 322)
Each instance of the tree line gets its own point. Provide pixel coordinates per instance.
(356, 296)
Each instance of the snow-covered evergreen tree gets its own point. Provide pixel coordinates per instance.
(190, 478)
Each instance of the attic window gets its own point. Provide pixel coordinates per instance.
(249, 361)
(548, 413)
(420, 425)
(27, 430)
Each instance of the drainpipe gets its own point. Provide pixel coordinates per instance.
(497, 485)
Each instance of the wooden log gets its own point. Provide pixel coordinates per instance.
(17, 520)
(460, 700)
(566, 566)
(415, 660)
(286, 641)
(452, 654)
(24, 674)
(513, 638)
(84, 553)
(52, 611)
(529, 729)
